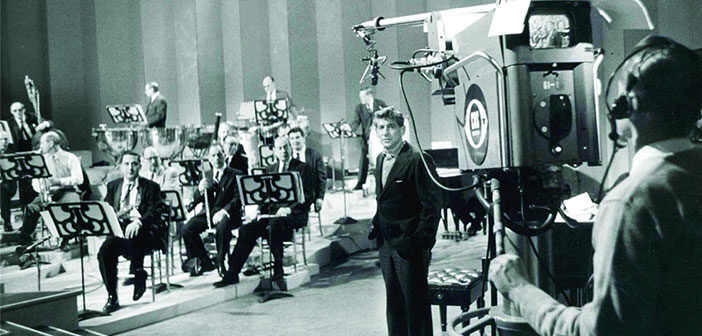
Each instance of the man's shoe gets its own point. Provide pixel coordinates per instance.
(128, 282)
(188, 265)
(358, 187)
(251, 271)
(208, 266)
(111, 305)
(227, 280)
(139, 284)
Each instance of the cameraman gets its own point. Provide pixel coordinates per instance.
(648, 234)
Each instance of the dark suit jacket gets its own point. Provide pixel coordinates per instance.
(223, 195)
(409, 205)
(16, 132)
(239, 160)
(156, 112)
(308, 181)
(363, 117)
(314, 162)
(150, 207)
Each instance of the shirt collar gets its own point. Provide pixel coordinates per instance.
(394, 152)
(301, 151)
(658, 150)
(155, 95)
(126, 182)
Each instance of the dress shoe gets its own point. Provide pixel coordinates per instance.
(208, 266)
(251, 271)
(128, 282)
(111, 305)
(358, 187)
(228, 279)
(188, 265)
(139, 284)
(199, 267)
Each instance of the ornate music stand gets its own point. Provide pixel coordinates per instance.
(79, 220)
(126, 113)
(270, 112)
(266, 155)
(22, 166)
(176, 213)
(341, 130)
(266, 190)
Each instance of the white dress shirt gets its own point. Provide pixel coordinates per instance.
(64, 166)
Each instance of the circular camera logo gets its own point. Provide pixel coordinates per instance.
(476, 124)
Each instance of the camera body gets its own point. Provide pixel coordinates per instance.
(536, 104)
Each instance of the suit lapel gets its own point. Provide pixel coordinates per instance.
(400, 163)
(117, 194)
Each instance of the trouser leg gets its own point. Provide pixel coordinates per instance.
(191, 237)
(31, 218)
(363, 165)
(395, 301)
(245, 244)
(7, 190)
(411, 269)
(223, 238)
(110, 250)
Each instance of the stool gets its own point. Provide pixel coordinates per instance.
(455, 287)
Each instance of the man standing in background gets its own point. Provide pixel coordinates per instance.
(157, 107)
(363, 116)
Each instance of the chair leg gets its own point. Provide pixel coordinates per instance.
(304, 253)
(295, 249)
(153, 278)
(319, 220)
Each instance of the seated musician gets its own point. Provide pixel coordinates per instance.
(156, 171)
(139, 206)
(225, 212)
(288, 218)
(66, 176)
(234, 150)
(8, 188)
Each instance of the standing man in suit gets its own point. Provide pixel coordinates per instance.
(314, 162)
(405, 225)
(157, 107)
(236, 156)
(363, 117)
(225, 209)
(288, 218)
(8, 188)
(139, 208)
(22, 128)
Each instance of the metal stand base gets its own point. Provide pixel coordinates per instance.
(88, 314)
(345, 220)
(269, 289)
(162, 287)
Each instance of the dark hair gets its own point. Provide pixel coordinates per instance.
(129, 152)
(297, 130)
(667, 82)
(153, 86)
(390, 113)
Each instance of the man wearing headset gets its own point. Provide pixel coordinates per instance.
(648, 233)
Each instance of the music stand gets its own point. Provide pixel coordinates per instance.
(126, 113)
(266, 155)
(266, 190)
(269, 112)
(79, 220)
(341, 130)
(176, 213)
(22, 166)
(190, 171)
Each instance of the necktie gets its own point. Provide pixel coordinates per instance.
(216, 177)
(23, 126)
(124, 203)
(297, 155)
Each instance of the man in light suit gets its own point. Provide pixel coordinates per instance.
(139, 206)
(314, 162)
(405, 225)
(157, 107)
(363, 117)
(289, 217)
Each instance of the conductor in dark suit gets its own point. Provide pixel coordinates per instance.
(139, 206)
(405, 225)
(288, 218)
(363, 117)
(225, 209)
(157, 107)
(314, 162)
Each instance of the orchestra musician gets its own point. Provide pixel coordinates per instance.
(363, 117)
(225, 204)
(155, 171)
(313, 160)
(66, 176)
(139, 208)
(7, 189)
(288, 218)
(157, 108)
(235, 154)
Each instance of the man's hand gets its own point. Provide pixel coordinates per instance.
(505, 273)
(204, 184)
(318, 204)
(132, 229)
(219, 216)
(282, 212)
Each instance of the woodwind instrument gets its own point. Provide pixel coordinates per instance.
(202, 169)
